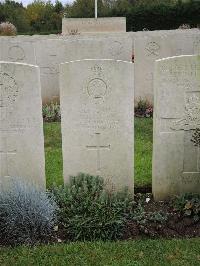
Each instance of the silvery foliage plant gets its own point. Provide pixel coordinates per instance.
(27, 214)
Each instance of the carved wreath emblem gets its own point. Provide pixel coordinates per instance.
(191, 119)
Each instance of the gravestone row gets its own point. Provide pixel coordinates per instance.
(97, 113)
(145, 47)
(97, 121)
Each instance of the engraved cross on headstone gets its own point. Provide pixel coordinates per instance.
(98, 148)
(5, 153)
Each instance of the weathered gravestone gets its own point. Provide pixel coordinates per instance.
(157, 45)
(21, 126)
(146, 50)
(97, 107)
(118, 48)
(17, 50)
(176, 160)
(84, 25)
(50, 53)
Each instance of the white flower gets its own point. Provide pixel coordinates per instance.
(147, 200)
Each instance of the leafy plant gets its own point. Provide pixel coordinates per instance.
(196, 137)
(51, 112)
(27, 215)
(143, 217)
(144, 109)
(88, 210)
(188, 205)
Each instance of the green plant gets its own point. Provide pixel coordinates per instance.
(51, 112)
(188, 204)
(27, 215)
(143, 217)
(143, 109)
(88, 210)
(196, 137)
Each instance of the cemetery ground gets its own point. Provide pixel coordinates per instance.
(143, 153)
(138, 251)
(177, 227)
(135, 252)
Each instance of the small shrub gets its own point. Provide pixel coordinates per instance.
(89, 211)
(145, 219)
(188, 205)
(7, 29)
(51, 112)
(27, 215)
(143, 109)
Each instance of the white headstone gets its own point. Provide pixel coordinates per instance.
(15, 50)
(176, 160)
(21, 125)
(97, 106)
(146, 51)
(118, 48)
(50, 53)
(157, 45)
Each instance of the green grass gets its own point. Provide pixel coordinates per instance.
(143, 152)
(131, 253)
(53, 154)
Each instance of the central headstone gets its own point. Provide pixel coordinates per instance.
(176, 160)
(50, 53)
(97, 107)
(21, 125)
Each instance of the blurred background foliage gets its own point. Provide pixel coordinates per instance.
(46, 17)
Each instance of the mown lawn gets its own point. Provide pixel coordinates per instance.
(131, 253)
(143, 152)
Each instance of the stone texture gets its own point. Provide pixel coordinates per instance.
(84, 25)
(21, 125)
(151, 46)
(176, 160)
(119, 48)
(16, 50)
(146, 51)
(50, 53)
(97, 107)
